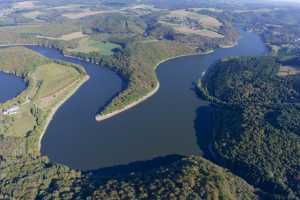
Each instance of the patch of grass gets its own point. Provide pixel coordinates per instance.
(66, 37)
(20, 60)
(87, 45)
(205, 20)
(54, 77)
(190, 22)
(85, 13)
(104, 47)
(23, 122)
(31, 33)
(49, 83)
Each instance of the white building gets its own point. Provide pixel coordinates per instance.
(11, 111)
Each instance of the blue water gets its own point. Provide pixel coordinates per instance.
(162, 125)
(10, 86)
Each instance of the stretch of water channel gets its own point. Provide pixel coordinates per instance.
(162, 125)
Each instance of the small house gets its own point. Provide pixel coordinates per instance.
(11, 111)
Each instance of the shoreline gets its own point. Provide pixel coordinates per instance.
(56, 107)
(17, 45)
(100, 117)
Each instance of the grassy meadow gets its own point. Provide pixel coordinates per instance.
(87, 45)
(49, 83)
(191, 22)
(36, 32)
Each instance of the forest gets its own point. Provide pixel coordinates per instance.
(256, 133)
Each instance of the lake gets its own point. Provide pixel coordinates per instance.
(162, 125)
(10, 86)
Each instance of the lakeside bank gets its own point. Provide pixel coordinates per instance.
(100, 117)
(78, 83)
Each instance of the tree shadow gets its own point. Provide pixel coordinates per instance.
(204, 126)
(123, 87)
(134, 167)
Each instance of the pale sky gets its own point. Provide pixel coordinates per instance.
(294, 1)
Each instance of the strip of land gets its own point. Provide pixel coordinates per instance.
(50, 84)
(101, 117)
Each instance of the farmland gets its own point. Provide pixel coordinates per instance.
(190, 22)
(49, 83)
(65, 37)
(87, 45)
(34, 33)
(85, 13)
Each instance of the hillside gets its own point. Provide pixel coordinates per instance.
(256, 133)
(185, 178)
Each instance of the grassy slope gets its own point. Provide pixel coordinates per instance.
(87, 45)
(49, 83)
(29, 33)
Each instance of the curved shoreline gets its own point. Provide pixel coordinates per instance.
(17, 45)
(56, 107)
(52, 112)
(100, 117)
(9, 73)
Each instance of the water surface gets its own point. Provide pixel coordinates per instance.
(10, 86)
(162, 125)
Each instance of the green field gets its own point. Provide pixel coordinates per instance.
(35, 33)
(49, 83)
(87, 45)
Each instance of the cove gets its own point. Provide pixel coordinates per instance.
(10, 86)
(162, 125)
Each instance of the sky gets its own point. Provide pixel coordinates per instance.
(294, 1)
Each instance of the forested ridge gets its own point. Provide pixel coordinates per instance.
(173, 178)
(256, 129)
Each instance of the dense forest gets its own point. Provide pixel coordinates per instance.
(172, 177)
(256, 132)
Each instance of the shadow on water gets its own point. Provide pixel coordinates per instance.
(136, 167)
(203, 125)
(124, 86)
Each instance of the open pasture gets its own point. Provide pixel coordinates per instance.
(87, 45)
(204, 20)
(86, 13)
